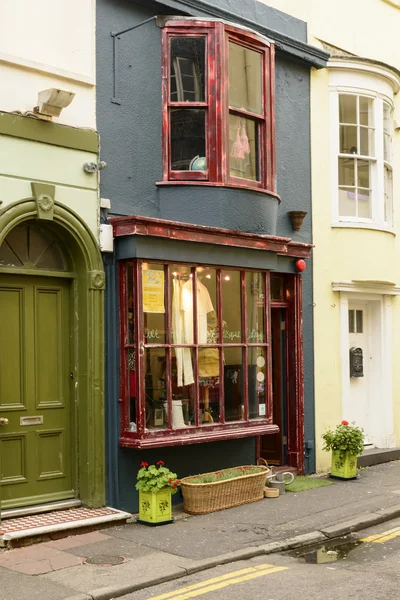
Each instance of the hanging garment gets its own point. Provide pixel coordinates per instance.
(183, 355)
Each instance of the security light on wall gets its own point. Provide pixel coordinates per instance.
(52, 101)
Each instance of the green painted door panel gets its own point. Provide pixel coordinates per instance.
(37, 456)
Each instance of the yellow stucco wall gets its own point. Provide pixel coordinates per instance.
(369, 29)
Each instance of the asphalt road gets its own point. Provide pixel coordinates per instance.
(364, 565)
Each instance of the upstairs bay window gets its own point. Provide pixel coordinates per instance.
(218, 121)
(364, 167)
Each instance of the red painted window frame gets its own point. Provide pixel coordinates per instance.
(143, 438)
(217, 134)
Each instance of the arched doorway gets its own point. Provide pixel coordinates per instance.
(36, 369)
(51, 360)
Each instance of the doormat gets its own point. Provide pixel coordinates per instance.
(303, 483)
(58, 521)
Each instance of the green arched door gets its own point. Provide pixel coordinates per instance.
(37, 440)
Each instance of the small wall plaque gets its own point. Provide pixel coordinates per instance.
(31, 420)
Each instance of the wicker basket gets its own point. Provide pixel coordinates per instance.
(202, 498)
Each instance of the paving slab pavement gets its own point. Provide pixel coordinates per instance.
(57, 569)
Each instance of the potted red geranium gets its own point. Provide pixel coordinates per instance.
(346, 443)
(156, 484)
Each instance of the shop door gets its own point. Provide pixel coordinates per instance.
(359, 324)
(36, 441)
(273, 447)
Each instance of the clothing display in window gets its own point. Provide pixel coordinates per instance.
(183, 355)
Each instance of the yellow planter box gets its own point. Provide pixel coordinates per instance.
(345, 466)
(155, 508)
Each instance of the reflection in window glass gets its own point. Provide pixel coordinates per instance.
(257, 382)
(187, 69)
(245, 79)
(206, 297)
(388, 194)
(183, 389)
(132, 388)
(233, 384)
(155, 388)
(188, 139)
(209, 384)
(181, 288)
(153, 299)
(231, 307)
(359, 321)
(255, 302)
(243, 148)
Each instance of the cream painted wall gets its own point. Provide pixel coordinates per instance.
(48, 43)
(362, 27)
(368, 28)
(24, 161)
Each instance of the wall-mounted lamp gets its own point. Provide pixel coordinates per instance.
(297, 217)
(51, 102)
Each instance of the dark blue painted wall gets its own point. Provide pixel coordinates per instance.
(130, 135)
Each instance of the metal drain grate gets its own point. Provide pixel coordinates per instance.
(104, 560)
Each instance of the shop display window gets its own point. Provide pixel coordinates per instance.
(194, 353)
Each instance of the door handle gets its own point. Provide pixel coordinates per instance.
(3, 421)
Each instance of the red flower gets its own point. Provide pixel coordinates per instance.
(160, 462)
(174, 486)
(144, 464)
(345, 423)
(170, 480)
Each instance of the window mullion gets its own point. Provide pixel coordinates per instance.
(244, 351)
(168, 354)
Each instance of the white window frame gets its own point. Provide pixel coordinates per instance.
(379, 85)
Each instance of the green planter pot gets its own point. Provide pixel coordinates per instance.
(155, 508)
(344, 466)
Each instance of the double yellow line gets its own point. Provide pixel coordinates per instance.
(380, 538)
(217, 583)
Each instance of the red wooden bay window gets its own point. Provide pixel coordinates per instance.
(195, 353)
(218, 105)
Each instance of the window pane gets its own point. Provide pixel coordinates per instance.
(386, 118)
(348, 139)
(188, 139)
(366, 141)
(365, 110)
(276, 288)
(363, 173)
(206, 295)
(183, 389)
(255, 307)
(245, 79)
(209, 372)
(233, 383)
(359, 321)
(153, 303)
(130, 303)
(132, 389)
(351, 321)
(347, 202)
(257, 382)
(155, 388)
(386, 147)
(181, 310)
(231, 307)
(388, 196)
(347, 108)
(187, 69)
(364, 204)
(346, 171)
(243, 148)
